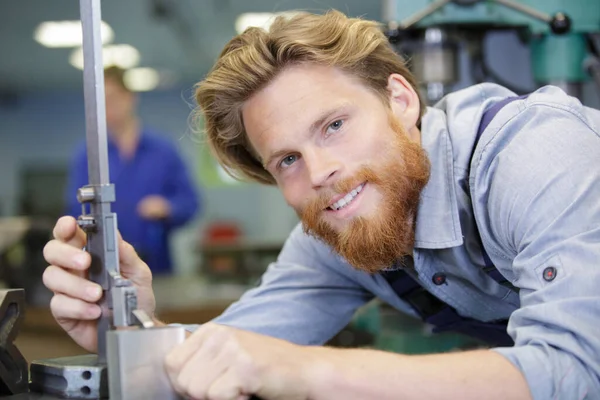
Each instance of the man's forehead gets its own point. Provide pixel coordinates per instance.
(296, 96)
(260, 118)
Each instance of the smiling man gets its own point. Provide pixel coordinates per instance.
(479, 215)
(345, 164)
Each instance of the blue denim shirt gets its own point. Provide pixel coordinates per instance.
(531, 187)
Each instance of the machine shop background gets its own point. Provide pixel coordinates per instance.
(42, 122)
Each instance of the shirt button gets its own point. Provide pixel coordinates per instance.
(549, 274)
(439, 278)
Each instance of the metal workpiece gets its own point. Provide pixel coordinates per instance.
(79, 377)
(136, 360)
(13, 366)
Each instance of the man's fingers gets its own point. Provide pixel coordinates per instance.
(127, 254)
(61, 281)
(180, 355)
(66, 230)
(129, 260)
(64, 308)
(132, 266)
(66, 251)
(205, 366)
(57, 252)
(228, 386)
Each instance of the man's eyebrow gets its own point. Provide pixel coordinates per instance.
(313, 127)
(327, 114)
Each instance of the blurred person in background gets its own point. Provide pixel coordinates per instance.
(154, 192)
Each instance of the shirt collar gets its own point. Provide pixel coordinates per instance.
(438, 224)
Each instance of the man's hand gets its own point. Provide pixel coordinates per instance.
(154, 207)
(73, 304)
(220, 362)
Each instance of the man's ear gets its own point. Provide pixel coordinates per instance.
(404, 101)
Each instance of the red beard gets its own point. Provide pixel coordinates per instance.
(371, 244)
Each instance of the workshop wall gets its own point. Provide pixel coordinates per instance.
(43, 130)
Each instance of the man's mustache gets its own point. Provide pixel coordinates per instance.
(341, 187)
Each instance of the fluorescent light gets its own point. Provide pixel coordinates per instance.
(141, 79)
(260, 20)
(67, 33)
(120, 55)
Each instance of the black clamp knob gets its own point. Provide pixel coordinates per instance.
(560, 23)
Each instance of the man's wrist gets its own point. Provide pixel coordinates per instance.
(352, 373)
(320, 371)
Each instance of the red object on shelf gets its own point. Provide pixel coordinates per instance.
(222, 232)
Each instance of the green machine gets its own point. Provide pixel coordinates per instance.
(563, 36)
(377, 325)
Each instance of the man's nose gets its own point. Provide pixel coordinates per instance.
(322, 167)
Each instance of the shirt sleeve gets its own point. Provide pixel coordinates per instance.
(302, 298)
(543, 209)
(181, 192)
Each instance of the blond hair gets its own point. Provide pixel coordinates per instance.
(250, 61)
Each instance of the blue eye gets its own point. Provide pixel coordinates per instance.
(335, 126)
(288, 160)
